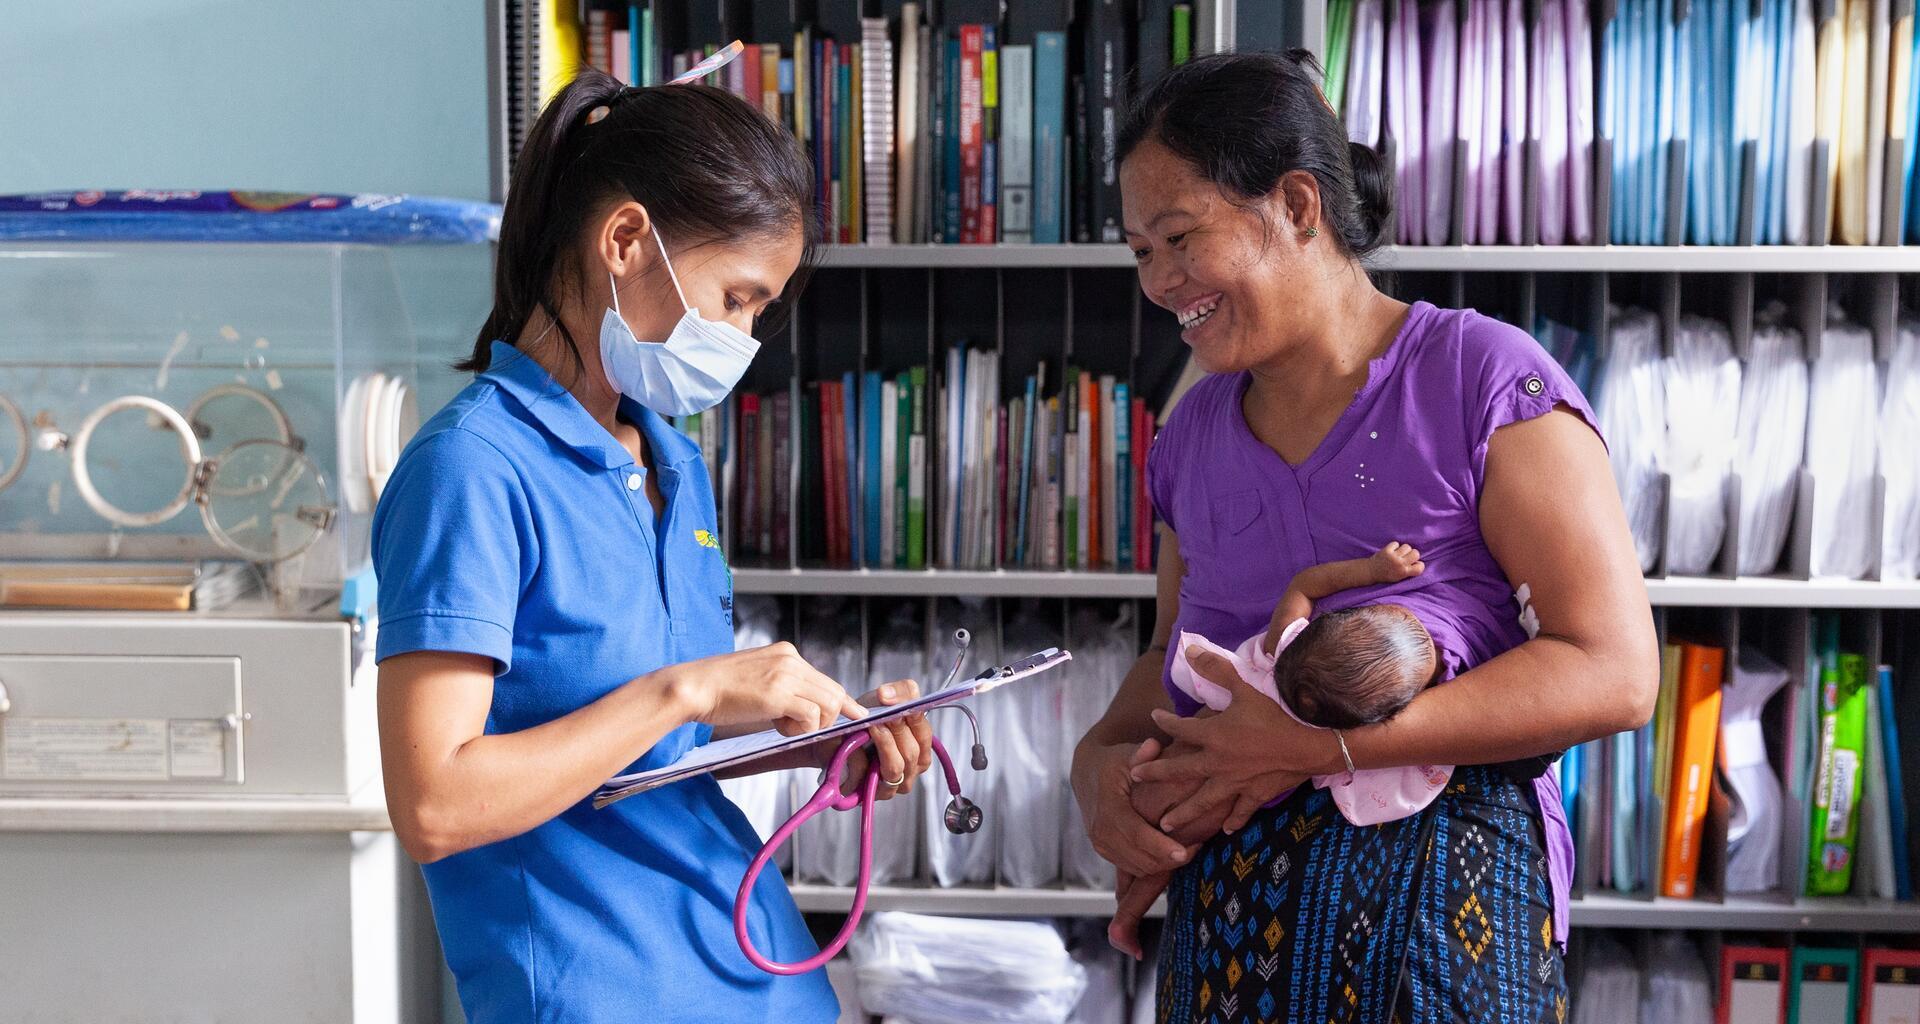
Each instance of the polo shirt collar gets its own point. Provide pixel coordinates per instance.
(560, 414)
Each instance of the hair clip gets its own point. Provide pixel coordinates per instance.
(719, 59)
(598, 114)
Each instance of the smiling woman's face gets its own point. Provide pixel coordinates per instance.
(1217, 265)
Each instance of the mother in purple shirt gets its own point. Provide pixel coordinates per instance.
(1336, 419)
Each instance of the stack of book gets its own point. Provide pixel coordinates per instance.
(918, 469)
(972, 128)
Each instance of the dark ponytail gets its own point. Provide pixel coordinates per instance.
(706, 164)
(1247, 119)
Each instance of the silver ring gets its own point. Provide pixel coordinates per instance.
(19, 463)
(83, 480)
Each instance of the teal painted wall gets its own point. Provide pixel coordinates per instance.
(342, 96)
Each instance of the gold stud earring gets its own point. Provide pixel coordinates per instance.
(1313, 232)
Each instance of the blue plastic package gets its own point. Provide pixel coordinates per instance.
(153, 215)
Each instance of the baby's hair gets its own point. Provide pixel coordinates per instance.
(1356, 667)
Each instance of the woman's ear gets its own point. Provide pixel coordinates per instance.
(624, 242)
(1298, 199)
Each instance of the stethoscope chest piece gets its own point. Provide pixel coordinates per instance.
(963, 817)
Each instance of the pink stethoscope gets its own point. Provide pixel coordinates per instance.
(962, 817)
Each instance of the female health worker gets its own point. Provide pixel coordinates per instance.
(555, 608)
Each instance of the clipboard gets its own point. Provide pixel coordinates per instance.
(739, 750)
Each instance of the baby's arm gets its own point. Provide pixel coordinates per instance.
(1390, 564)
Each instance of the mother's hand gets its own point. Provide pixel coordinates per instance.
(1119, 835)
(1242, 757)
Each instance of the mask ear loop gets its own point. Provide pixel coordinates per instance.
(671, 276)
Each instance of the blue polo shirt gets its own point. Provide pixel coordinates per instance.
(517, 528)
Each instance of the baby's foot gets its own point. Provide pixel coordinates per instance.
(1397, 562)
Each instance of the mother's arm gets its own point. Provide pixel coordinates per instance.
(1552, 518)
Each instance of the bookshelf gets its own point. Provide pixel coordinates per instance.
(887, 306)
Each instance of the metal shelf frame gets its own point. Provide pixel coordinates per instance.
(1749, 259)
(1751, 914)
(1672, 592)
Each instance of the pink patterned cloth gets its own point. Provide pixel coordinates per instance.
(1372, 795)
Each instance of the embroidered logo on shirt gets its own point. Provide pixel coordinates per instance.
(706, 539)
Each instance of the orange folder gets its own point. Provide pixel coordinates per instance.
(1696, 730)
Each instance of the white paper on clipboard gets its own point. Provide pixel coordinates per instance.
(738, 750)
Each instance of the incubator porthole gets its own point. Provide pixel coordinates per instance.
(84, 477)
(16, 444)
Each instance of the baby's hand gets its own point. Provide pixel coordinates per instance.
(1135, 897)
(1397, 562)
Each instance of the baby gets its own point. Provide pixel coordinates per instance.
(1339, 671)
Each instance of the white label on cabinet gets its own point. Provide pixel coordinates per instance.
(84, 749)
(196, 749)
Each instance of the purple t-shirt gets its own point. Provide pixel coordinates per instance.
(1405, 462)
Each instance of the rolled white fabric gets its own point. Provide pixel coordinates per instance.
(1103, 650)
(1900, 426)
(1843, 433)
(1028, 778)
(1772, 440)
(1678, 984)
(828, 848)
(899, 652)
(1703, 410)
(950, 859)
(1632, 413)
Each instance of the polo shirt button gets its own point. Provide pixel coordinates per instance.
(633, 481)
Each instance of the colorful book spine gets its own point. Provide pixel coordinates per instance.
(902, 413)
(776, 507)
(646, 60)
(772, 72)
(1049, 137)
(917, 475)
(1071, 481)
(1016, 149)
(810, 537)
(849, 454)
(1831, 844)
(889, 476)
(1002, 428)
(1025, 498)
(871, 457)
(747, 509)
(950, 175)
(1698, 729)
(1896, 786)
(1123, 463)
(990, 136)
(1182, 34)
(1143, 503)
(1106, 434)
(972, 138)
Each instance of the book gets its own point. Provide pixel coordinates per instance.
(1049, 137)
(952, 445)
(1835, 812)
(1753, 986)
(1003, 433)
(852, 522)
(855, 143)
(1697, 727)
(1016, 144)
(1071, 480)
(872, 462)
(1104, 74)
(1106, 432)
(1055, 522)
(598, 40)
(906, 128)
(811, 520)
(887, 480)
(1876, 817)
(1089, 466)
(1898, 819)
(847, 151)
(950, 226)
(751, 76)
(646, 58)
(1890, 987)
(1823, 985)
(774, 73)
(972, 137)
(622, 47)
(1025, 477)
(917, 474)
(1663, 732)
(1125, 480)
(1143, 503)
(1082, 180)
(747, 510)
(1153, 41)
(1182, 34)
(927, 144)
(989, 136)
(780, 468)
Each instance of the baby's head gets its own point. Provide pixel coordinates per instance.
(1356, 667)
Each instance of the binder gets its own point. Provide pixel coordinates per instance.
(1835, 826)
(1896, 786)
(1753, 986)
(1016, 149)
(1049, 137)
(1825, 986)
(1697, 728)
(1890, 987)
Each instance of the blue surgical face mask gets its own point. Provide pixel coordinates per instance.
(692, 371)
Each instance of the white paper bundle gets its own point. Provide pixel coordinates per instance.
(767, 798)
(1632, 413)
(1843, 447)
(1772, 440)
(829, 846)
(941, 970)
(1703, 402)
(1028, 777)
(1900, 461)
(1104, 648)
(950, 859)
